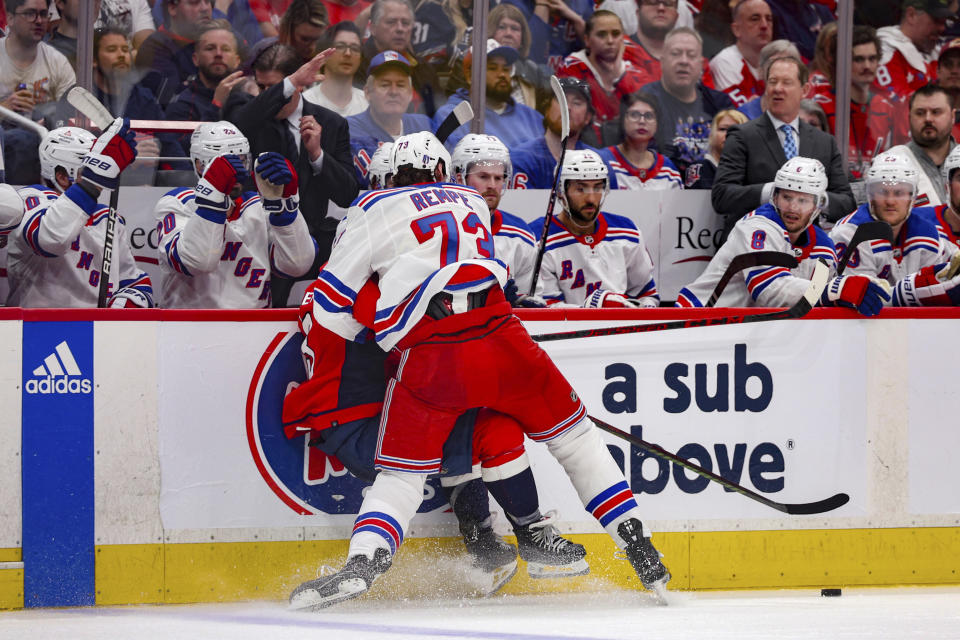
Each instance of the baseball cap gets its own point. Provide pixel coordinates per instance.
(389, 60)
(494, 48)
(952, 45)
(935, 8)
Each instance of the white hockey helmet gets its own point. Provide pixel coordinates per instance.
(805, 175)
(380, 169)
(211, 140)
(951, 163)
(582, 164)
(64, 147)
(889, 169)
(421, 150)
(481, 148)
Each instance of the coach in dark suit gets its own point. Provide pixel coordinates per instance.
(316, 140)
(755, 151)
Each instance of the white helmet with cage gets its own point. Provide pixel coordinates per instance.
(380, 170)
(891, 169)
(420, 150)
(480, 148)
(804, 175)
(582, 164)
(64, 147)
(211, 140)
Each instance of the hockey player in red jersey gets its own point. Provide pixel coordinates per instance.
(443, 316)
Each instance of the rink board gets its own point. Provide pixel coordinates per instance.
(187, 492)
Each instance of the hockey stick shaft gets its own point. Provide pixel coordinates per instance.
(808, 508)
(873, 230)
(26, 123)
(548, 217)
(818, 283)
(747, 260)
(107, 263)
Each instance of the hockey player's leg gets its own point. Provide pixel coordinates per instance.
(606, 494)
(386, 512)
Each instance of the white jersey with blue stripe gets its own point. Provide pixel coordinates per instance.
(613, 258)
(420, 240)
(213, 261)
(919, 244)
(9, 221)
(56, 252)
(765, 286)
(516, 247)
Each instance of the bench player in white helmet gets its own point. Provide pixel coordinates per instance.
(947, 216)
(444, 319)
(593, 258)
(11, 213)
(483, 162)
(379, 171)
(916, 261)
(218, 248)
(56, 253)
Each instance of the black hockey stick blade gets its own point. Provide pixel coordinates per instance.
(818, 282)
(804, 508)
(746, 261)
(873, 230)
(460, 115)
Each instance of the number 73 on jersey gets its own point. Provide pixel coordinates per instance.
(452, 234)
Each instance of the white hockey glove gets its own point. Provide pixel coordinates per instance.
(130, 298)
(213, 189)
(934, 286)
(866, 294)
(113, 152)
(277, 183)
(603, 299)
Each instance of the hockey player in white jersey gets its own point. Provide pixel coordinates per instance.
(785, 224)
(218, 248)
(56, 253)
(593, 258)
(11, 213)
(379, 171)
(483, 162)
(450, 332)
(914, 263)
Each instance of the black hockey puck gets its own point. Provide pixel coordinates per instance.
(829, 593)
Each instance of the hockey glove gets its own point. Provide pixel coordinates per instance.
(863, 293)
(933, 286)
(130, 298)
(213, 189)
(603, 299)
(512, 294)
(276, 179)
(112, 152)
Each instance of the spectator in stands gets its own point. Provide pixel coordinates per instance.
(931, 124)
(755, 107)
(440, 27)
(872, 118)
(755, 151)
(512, 123)
(948, 74)
(303, 25)
(336, 92)
(688, 106)
(389, 91)
(535, 162)
(656, 18)
(268, 14)
(356, 11)
(64, 37)
(217, 58)
(391, 27)
(556, 26)
(166, 57)
(237, 12)
(713, 24)
(314, 139)
(33, 75)
(506, 25)
(700, 175)
(130, 16)
(799, 21)
(906, 62)
(814, 115)
(602, 67)
(736, 69)
(633, 164)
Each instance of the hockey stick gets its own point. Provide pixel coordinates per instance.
(801, 509)
(873, 230)
(818, 282)
(747, 260)
(26, 123)
(461, 114)
(564, 137)
(87, 104)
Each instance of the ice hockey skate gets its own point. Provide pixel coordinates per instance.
(645, 559)
(547, 553)
(491, 554)
(352, 580)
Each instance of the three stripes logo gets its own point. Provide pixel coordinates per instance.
(59, 374)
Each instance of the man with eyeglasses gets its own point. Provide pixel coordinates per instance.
(337, 92)
(166, 57)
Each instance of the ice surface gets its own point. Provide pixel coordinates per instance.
(929, 613)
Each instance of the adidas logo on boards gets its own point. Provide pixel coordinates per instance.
(59, 374)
